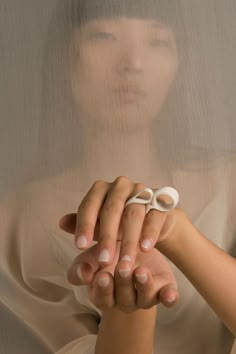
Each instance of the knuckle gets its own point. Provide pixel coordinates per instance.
(128, 245)
(105, 240)
(132, 213)
(126, 308)
(141, 304)
(145, 303)
(140, 186)
(99, 184)
(149, 221)
(122, 180)
(142, 290)
(145, 306)
(113, 206)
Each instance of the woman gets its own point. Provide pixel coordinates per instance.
(123, 70)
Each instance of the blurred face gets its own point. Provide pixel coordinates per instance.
(122, 69)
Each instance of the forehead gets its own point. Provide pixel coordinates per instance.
(125, 23)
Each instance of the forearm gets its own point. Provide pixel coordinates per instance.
(211, 271)
(131, 333)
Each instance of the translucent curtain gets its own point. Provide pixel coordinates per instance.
(97, 89)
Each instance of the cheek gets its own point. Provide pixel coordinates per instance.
(165, 68)
(162, 75)
(89, 80)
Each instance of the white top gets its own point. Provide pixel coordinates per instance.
(36, 254)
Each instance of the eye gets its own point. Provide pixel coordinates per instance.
(102, 35)
(160, 43)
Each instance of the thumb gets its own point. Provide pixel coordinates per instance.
(83, 268)
(68, 223)
(80, 274)
(169, 295)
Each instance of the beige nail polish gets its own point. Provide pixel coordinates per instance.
(171, 299)
(142, 278)
(126, 258)
(81, 242)
(103, 282)
(124, 273)
(104, 256)
(146, 244)
(79, 274)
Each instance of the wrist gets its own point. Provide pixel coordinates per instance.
(121, 332)
(124, 315)
(178, 228)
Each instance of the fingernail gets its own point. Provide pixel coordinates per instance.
(103, 282)
(146, 244)
(126, 258)
(124, 272)
(79, 274)
(142, 278)
(81, 242)
(104, 256)
(171, 299)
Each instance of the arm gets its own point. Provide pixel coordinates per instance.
(211, 271)
(126, 333)
(233, 350)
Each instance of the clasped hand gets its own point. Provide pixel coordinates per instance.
(124, 269)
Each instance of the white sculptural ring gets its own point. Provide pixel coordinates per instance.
(152, 202)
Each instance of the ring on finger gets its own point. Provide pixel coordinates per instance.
(152, 202)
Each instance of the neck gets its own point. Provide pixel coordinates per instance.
(110, 154)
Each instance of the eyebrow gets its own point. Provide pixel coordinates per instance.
(157, 25)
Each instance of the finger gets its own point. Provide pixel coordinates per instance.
(110, 218)
(151, 230)
(146, 289)
(132, 223)
(102, 294)
(83, 267)
(88, 212)
(169, 295)
(80, 274)
(125, 293)
(68, 223)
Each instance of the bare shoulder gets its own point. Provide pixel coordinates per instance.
(232, 172)
(232, 187)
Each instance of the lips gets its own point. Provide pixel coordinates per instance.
(130, 90)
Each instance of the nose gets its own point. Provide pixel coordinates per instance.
(131, 58)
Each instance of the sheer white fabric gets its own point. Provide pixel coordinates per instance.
(98, 89)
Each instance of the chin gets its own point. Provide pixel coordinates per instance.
(125, 122)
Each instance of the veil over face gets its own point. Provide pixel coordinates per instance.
(127, 90)
(97, 89)
(178, 55)
(152, 47)
(122, 71)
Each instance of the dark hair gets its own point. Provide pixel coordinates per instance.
(165, 10)
(58, 107)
